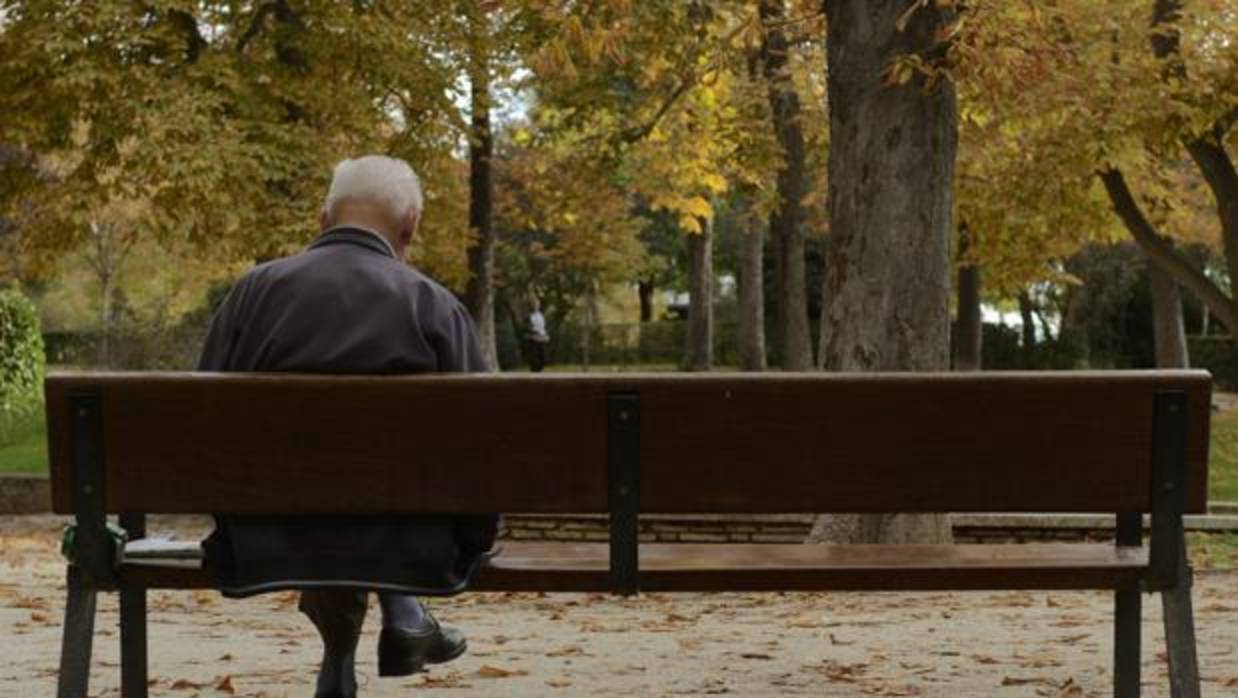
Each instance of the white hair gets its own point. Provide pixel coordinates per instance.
(389, 181)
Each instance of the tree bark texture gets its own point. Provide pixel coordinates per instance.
(968, 326)
(1167, 325)
(699, 353)
(644, 290)
(787, 221)
(479, 295)
(1160, 250)
(891, 167)
(752, 301)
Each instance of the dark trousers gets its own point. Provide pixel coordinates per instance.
(338, 615)
(537, 356)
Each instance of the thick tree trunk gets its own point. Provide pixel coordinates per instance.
(786, 222)
(891, 167)
(752, 301)
(1168, 328)
(644, 289)
(968, 330)
(479, 296)
(699, 352)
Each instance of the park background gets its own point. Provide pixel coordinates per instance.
(658, 175)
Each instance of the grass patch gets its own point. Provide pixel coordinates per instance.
(23, 446)
(1223, 459)
(1213, 550)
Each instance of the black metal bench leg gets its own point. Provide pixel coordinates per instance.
(1126, 641)
(133, 643)
(79, 632)
(1179, 618)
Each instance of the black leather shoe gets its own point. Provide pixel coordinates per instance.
(403, 651)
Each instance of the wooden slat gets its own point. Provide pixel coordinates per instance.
(1069, 441)
(756, 567)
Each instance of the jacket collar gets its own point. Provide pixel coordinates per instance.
(355, 235)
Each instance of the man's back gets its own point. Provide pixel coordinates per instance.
(345, 305)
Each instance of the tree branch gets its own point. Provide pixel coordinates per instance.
(188, 25)
(255, 25)
(1160, 250)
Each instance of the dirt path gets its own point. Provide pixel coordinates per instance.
(852, 644)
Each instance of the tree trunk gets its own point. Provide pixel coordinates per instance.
(891, 166)
(969, 326)
(700, 342)
(1168, 328)
(786, 222)
(479, 296)
(590, 321)
(1203, 321)
(752, 301)
(1027, 312)
(1046, 330)
(106, 321)
(645, 290)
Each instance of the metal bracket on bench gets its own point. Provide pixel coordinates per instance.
(95, 548)
(1169, 427)
(623, 475)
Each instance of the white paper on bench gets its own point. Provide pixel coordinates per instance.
(162, 548)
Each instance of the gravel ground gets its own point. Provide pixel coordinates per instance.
(844, 644)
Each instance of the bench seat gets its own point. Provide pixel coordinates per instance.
(770, 567)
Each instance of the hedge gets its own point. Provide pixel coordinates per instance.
(1219, 355)
(21, 362)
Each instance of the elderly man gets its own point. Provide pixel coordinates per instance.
(349, 304)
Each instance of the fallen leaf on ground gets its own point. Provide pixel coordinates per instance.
(1017, 681)
(490, 671)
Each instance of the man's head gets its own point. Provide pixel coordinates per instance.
(375, 192)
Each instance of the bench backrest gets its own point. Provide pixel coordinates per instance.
(277, 443)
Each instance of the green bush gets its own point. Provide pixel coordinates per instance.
(21, 363)
(1219, 355)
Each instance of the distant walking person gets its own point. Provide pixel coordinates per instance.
(537, 338)
(350, 304)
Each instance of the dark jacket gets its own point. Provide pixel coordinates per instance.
(345, 305)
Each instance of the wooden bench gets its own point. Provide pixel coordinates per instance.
(1127, 443)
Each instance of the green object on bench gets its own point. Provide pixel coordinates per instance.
(68, 543)
(1126, 442)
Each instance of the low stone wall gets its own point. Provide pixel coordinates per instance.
(792, 528)
(667, 528)
(25, 494)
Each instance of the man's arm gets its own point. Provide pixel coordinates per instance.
(462, 353)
